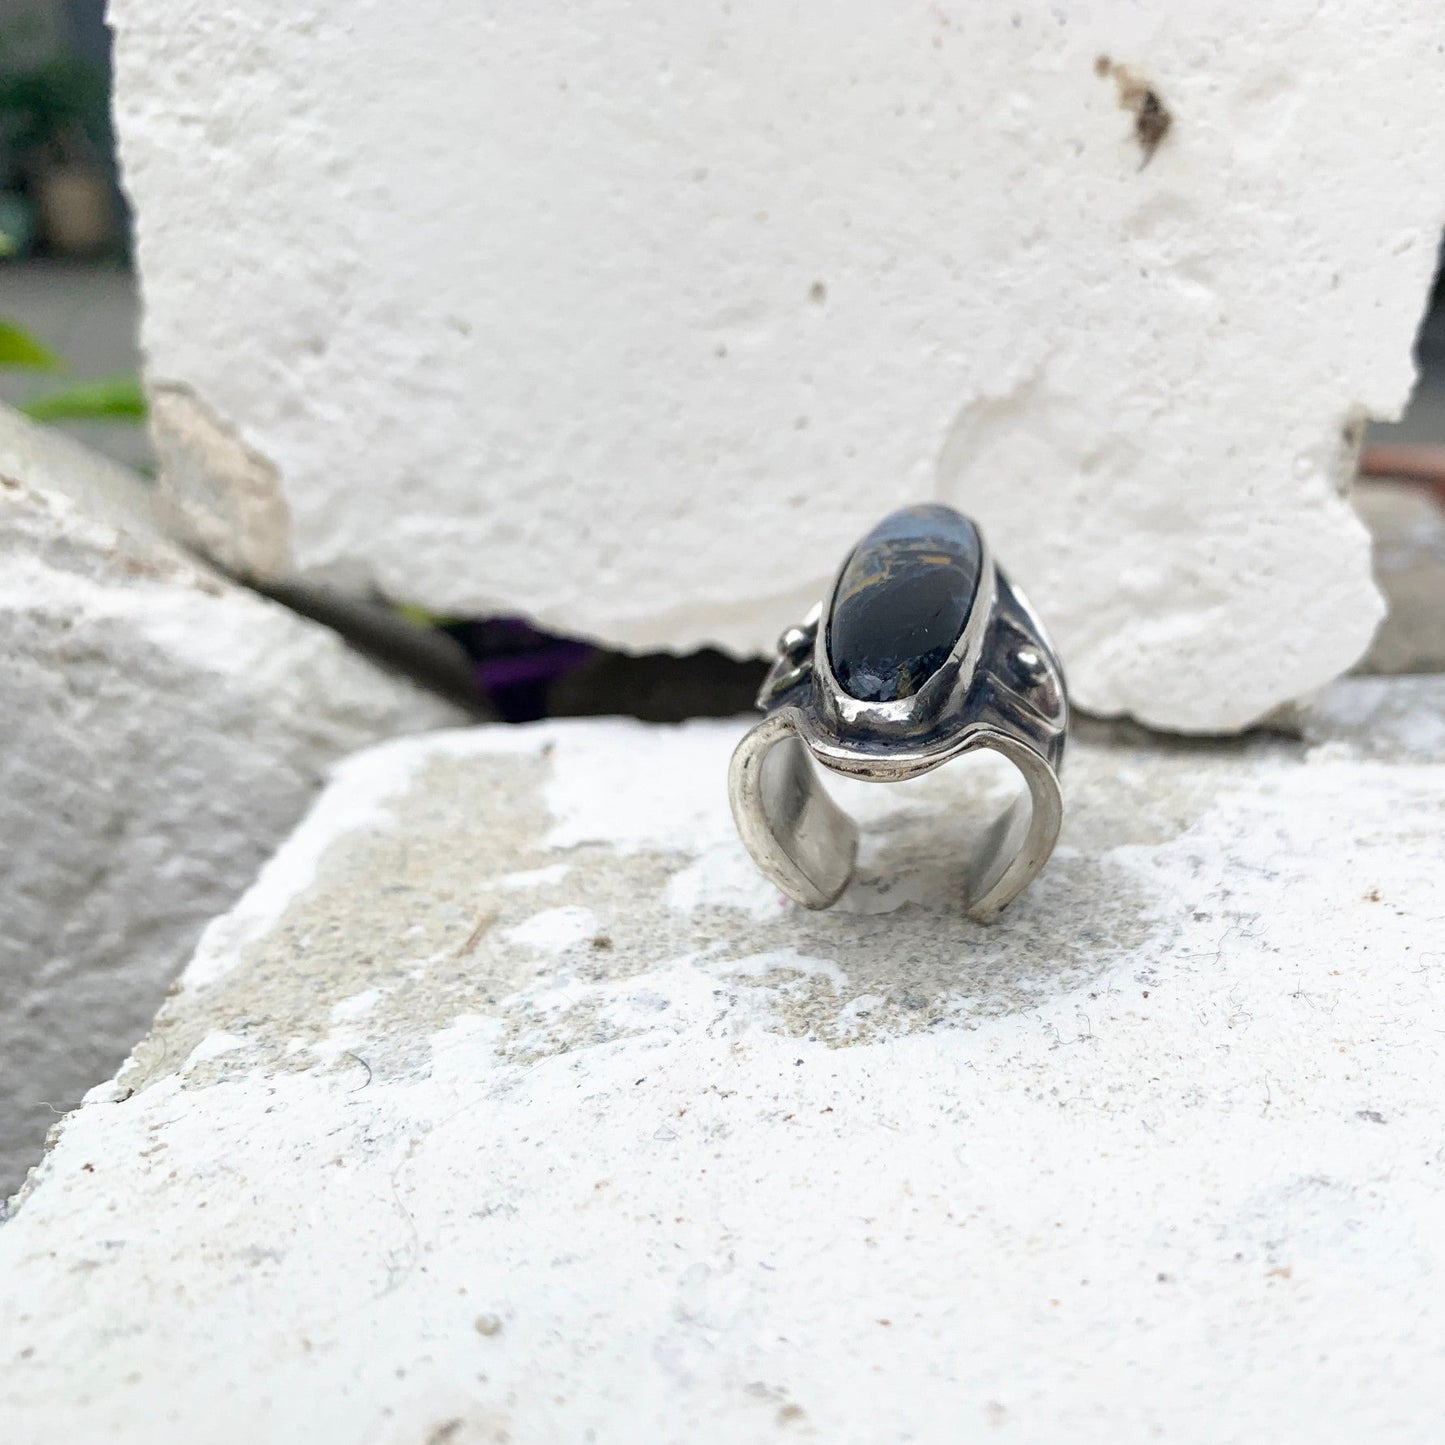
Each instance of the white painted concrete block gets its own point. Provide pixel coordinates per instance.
(510, 1105)
(633, 318)
(160, 730)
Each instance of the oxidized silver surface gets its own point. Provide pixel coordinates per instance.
(1001, 688)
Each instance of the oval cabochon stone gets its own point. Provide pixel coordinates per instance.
(902, 601)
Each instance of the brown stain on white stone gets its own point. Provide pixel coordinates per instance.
(1152, 118)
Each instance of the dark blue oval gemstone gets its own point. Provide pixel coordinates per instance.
(902, 602)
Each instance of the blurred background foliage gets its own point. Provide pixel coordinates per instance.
(61, 209)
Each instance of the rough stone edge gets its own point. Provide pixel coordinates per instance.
(222, 496)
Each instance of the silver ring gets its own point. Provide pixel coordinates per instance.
(921, 652)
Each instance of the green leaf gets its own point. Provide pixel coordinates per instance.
(116, 398)
(18, 348)
(420, 616)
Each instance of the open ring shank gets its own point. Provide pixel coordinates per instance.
(806, 844)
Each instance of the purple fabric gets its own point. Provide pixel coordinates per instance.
(515, 664)
(507, 669)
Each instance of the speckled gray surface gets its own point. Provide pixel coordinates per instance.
(511, 1105)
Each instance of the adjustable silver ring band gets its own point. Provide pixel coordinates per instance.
(1001, 687)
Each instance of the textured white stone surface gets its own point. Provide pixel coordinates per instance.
(1408, 528)
(509, 1105)
(633, 318)
(160, 730)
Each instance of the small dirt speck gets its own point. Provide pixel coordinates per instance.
(1152, 118)
(488, 1325)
